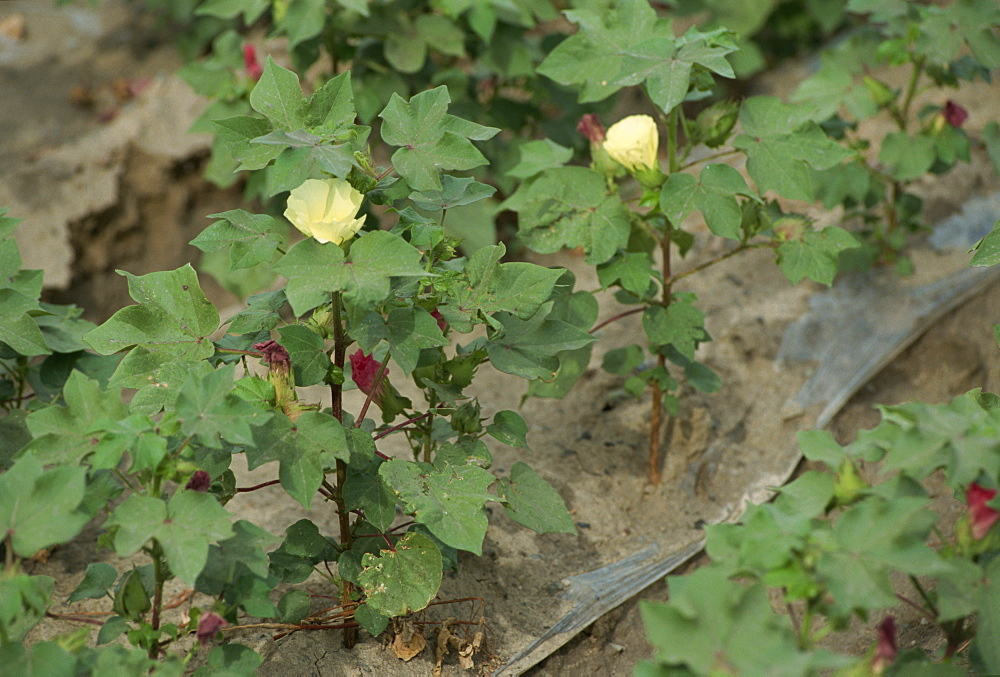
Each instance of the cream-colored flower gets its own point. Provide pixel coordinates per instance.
(633, 142)
(326, 210)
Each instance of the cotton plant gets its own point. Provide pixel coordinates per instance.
(358, 303)
(629, 210)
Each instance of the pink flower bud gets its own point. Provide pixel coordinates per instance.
(982, 516)
(364, 369)
(253, 67)
(208, 625)
(200, 481)
(591, 128)
(954, 114)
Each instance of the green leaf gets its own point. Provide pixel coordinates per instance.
(237, 569)
(407, 330)
(988, 628)
(399, 581)
(230, 9)
(594, 58)
(819, 445)
(537, 157)
(781, 145)
(455, 192)
(40, 508)
(509, 428)
(302, 549)
(293, 606)
(261, 313)
(23, 602)
(448, 501)
(278, 96)
(528, 348)
(303, 448)
(307, 351)
(907, 157)
(18, 329)
(332, 105)
(988, 249)
(63, 434)
(237, 135)
(711, 621)
(369, 493)
(430, 139)
(713, 194)
(184, 527)
(532, 502)
(632, 270)
(622, 361)
(518, 287)
(372, 621)
(680, 325)
(314, 270)
(303, 20)
(96, 581)
(249, 238)
(172, 316)
(113, 628)
(231, 660)
(570, 207)
(991, 137)
(208, 410)
(815, 254)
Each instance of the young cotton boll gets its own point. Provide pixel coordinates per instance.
(326, 210)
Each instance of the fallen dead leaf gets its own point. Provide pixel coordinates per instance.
(409, 640)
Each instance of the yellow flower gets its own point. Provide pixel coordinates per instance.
(326, 210)
(633, 142)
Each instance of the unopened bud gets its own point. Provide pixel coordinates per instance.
(713, 125)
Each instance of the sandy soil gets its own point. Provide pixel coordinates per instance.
(591, 446)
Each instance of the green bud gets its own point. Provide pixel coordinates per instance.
(714, 124)
(466, 418)
(849, 484)
(334, 376)
(320, 319)
(881, 93)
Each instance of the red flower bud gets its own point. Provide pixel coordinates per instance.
(591, 128)
(364, 369)
(208, 625)
(274, 354)
(982, 516)
(200, 481)
(253, 67)
(441, 322)
(886, 651)
(954, 114)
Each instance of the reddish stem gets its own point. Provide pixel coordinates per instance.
(257, 486)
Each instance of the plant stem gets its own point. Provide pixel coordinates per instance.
(656, 414)
(394, 428)
(718, 259)
(911, 90)
(255, 487)
(615, 318)
(923, 595)
(158, 580)
(337, 407)
(8, 543)
(428, 426)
